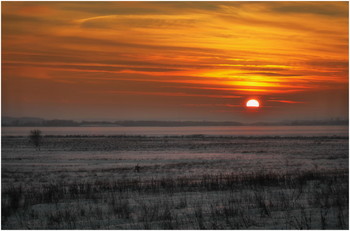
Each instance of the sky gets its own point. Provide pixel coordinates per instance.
(175, 60)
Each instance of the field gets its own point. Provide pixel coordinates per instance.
(184, 182)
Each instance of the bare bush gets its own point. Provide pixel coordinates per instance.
(36, 138)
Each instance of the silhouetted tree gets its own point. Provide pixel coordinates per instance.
(36, 137)
(137, 168)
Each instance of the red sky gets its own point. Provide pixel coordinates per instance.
(175, 60)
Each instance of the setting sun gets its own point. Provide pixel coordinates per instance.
(125, 60)
(253, 103)
(240, 107)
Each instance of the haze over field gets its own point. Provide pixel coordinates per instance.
(175, 60)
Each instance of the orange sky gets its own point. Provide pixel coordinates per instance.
(175, 60)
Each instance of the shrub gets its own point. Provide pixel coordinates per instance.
(36, 138)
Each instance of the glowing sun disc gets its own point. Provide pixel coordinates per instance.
(253, 103)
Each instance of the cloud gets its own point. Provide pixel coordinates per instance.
(125, 22)
(110, 8)
(285, 101)
(173, 94)
(333, 9)
(184, 51)
(271, 73)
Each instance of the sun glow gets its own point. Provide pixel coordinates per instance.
(155, 58)
(253, 103)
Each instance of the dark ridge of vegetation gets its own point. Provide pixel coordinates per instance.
(195, 136)
(29, 121)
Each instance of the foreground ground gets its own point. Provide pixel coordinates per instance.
(184, 182)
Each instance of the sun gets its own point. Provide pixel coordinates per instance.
(253, 103)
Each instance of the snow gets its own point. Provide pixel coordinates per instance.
(65, 164)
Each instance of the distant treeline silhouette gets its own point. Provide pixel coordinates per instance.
(30, 121)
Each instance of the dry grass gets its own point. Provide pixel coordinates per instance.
(308, 200)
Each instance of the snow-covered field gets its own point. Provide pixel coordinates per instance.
(184, 182)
